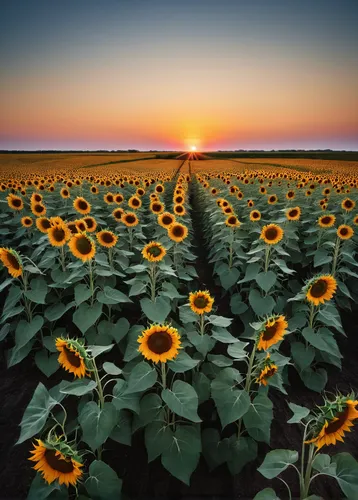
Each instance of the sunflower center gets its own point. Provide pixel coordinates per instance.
(344, 231)
(294, 213)
(107, 238)
(37, 197)
(109, 198)
(159, 189)
(156, 207)
(130, 219)
(89, 223)
(336, 425)
(83, 245)
(118, 214)
(155, 251)
(13, 261)
(319, 288)
(270, 372)
(348, 204)
(16, 202)
(272, 198)
(167, 220)
(232, 220)
(82, 205)
(179, 199)
(58, 463)
(271, 234)
(39, 208)
(160, 342)
(58, 234)
(178, 231)
(72, 358)
(255, 215)
(135, 202)
(201, 302)
(270, 332)
(179, 208)
(326, 220)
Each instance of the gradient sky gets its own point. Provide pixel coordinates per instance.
(167, 74)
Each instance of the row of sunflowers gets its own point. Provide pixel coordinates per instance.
(100, 275)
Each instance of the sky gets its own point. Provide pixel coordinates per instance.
(170, 74)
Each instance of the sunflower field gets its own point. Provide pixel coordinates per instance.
(167, 323)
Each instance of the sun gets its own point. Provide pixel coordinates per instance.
(193, 148)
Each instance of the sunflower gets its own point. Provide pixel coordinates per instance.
(36, 198)
(140, 192)
(26, 221)
(290, 195)
(166, 219)
(250, 203)
(159, 343)
(108, 198)
(267, 372)
(272, 199)
(81, 205)
(11, 259)
(15, 202)
(154, 252)
(38, 209)
(43, 224)
(72, 356)
(134, 202)
(56, 462)
(72, 226)
(118, 198)
(179, 199)
(340, 420)
(81, 225)
(271, 234)
(355, 220)
(117, 214)
(326, 220)
(58, 234)
(107, 239)
(345, 232)
(65, 193)
(179, 210)
(82, 246)
(255, 215)
(272, 332)
(159, 188)
(130, 219)
(293, 213)
(201, 302)
(177, 232)
(157, 207)
(348, 204)
(232, 221)
(94, 189)
(321, 289)
(90, 223)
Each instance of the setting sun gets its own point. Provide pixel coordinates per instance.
(193, 148)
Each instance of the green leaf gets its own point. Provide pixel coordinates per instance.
(40, 489)
(137, 288)
(323, 340)
(236, 304)
(237, 350)
(4, 331)
(258, 418)
(117, 331)
(112, 296)
(123, 400)
(78, 387)
(220, 360)
(201, 384)
(203, 343)
(266, 280)
(122, 432)
(222, 335)
(131, 351)
(26, 331)
(46, 362)
(219, 320)
(97, 423)
(82, 293)
(229, 277)
(277, 461)
(141, 378)
(299, 412)
(182, 456)
(251, 272)
(242, 451)
(302, 355)
(150, 410)
(97, 350)
(169, 290)
(156, 311)
(186, 315)
(315, 380)
(322, 463)
(56, 311)
(111, 368)
(158, 437)
(86, 316)
(36, 413)
(266, 494)
(182, 400)
(261, 306)
(347, 474)
(321, 257)
(16, 355)
(231, 403)
(215, 451)
(182, 363)
(103, 483)
(38, 291)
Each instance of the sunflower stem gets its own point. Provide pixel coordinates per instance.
(153, 277)
(335, 256)
(110, 256)
(312, 313)
(307, 479)
(90, 272)
(231, 249)
(164, 376)
(62, 258)
(248, 382)
(267, 257)
(130, 234)
(202, 324)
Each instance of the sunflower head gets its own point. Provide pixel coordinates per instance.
(38, 209)
(65, 193)
(177, 232)
(201, 302)
(344, 232)
(154, 252)
(26, 221)
(15, 202)
(12, 261)
(267, 371)
(166, 219)
(43, 224)
(157, 207)
(293, 213)
(82, 246)
(109, 198)
(290, 195)
(134, 202)
(272, 331)
(159, 343)
(232, 221)
(159, 188)
(118, 198)
(130, 219)
(81, 205)
(179, 210)
(58, 234)
(271, 234)
(272, 199)
(320, 289)
(106, 239)
(90, 223)
(327, 220)
(56, 461)
(73, 357)
(348, 204)
(255, 215)
(333, 420)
